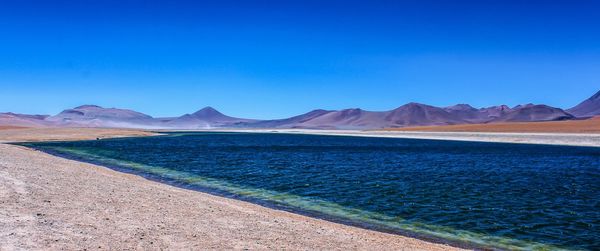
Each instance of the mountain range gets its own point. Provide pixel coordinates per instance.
(411, 114)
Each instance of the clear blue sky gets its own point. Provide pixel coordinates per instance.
(272, 59)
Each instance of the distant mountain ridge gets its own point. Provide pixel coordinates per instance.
(411, 114)
(96, 116)
(23, 120)
(531, 112)
(285, 123)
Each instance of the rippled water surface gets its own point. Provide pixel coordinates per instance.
(506, 196)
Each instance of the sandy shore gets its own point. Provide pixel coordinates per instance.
(53, 203)
(58, 134)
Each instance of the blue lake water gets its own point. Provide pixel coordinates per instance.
(505, 196)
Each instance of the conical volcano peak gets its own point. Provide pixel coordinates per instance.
(207, 112)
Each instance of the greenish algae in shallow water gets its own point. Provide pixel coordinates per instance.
(313, 205)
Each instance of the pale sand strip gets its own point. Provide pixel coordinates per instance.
(568, 139)
(52, 203)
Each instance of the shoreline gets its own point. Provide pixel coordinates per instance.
(561, 139)
(50, 205)
(15, 135)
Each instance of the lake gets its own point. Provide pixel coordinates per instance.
(491, 195)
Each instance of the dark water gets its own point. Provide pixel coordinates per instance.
(506, 196)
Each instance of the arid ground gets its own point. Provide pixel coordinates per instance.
(2, 127)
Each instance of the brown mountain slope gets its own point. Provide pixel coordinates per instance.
(587, 108)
